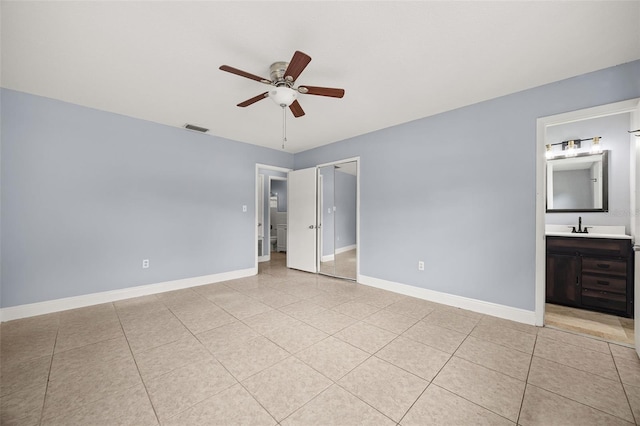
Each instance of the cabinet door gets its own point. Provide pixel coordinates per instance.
(563, 279)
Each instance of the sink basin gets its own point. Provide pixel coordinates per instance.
(594, 232)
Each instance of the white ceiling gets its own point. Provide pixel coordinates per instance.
(398, 61)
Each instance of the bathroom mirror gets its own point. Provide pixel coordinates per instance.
(338, 216)
(578, 184)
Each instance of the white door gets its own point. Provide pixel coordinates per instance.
(301, 219)
(635, 205)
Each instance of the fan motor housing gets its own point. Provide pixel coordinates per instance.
(277, 70)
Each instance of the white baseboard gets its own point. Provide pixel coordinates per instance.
(345, 248)
(49, 306)
(480, 306)
(330, 257)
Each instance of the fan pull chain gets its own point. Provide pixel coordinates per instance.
(284, 126)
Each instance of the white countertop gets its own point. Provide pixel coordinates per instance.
(603, 231)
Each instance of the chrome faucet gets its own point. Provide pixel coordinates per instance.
(580, 230)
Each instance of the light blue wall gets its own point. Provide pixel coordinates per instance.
(87, 195)
(613, 130)
(457, 190)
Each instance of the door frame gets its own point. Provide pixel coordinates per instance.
(624, 107)
(333, 163)
(256, 201)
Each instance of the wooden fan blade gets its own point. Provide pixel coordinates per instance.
(322, 91)
(297, 64)
(241, 73)
(296, 109)
(253, 100)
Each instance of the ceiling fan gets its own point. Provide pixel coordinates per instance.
(283, 76)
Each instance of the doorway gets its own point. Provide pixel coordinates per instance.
(628, 111)
(271, 191)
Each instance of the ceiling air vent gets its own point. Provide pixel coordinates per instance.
(195, 128)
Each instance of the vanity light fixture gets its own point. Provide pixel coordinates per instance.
(570, 148)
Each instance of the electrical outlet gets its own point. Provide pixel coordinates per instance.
(145, 263)
(244, 209)
(420, 265)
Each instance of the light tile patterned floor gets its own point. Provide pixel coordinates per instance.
(290, 348)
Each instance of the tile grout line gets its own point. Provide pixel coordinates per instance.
(46, 388)
(526, 380)
(615, 364)
(136, 364)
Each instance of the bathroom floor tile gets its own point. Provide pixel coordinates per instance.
(495, 357)
(589, 389)
(437, 337)
(337, 407)
(453, 321)
(623, 352)
(251, 357)
(629, 371)
(332, 357)
(178, 357)
(365, 336)
(234, 406)
(541, 407)
(23, 406)
(128, 406)
(201, 315)
(390, 321)
(286, 386)
(356, 309)
(227, 337)
(270, 321)
(296, 337)
(184, 387)
(87, 374)
(385, 387)
(440, 407)
(414, 357)
(156, 329)
(505, 336)
(330, 321)
(574, 339)
(166, 358)
(412, 307)
(494, 391)
(25, 374)
(581, 358)
(302, 310)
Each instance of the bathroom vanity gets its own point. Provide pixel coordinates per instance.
(590, 271)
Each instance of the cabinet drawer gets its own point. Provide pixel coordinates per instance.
(604, 266)
(605, 283)
(602, 299)
(590, 246)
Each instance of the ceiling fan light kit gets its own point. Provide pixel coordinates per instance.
(283, 93)
(283, 76)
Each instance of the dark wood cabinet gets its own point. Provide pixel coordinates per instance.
(590, 273)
